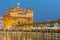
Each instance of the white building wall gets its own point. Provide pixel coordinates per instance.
(1, 23)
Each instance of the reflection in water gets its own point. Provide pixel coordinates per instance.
(7, 38)
(29, 36)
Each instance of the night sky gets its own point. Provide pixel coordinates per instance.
(44, 10)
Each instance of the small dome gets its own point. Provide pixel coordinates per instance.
(6, 12)
(11, 7)
(31, 8)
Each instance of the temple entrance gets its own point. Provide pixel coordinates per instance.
(18, 22)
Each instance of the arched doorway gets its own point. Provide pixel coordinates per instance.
(18, 22)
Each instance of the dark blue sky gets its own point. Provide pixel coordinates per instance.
(43, 9)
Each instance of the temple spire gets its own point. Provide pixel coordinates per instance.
(18, 5)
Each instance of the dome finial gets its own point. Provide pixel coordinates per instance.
(18, 4)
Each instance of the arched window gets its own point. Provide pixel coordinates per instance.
(18, 22)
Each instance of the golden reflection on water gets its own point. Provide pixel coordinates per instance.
(29, 36)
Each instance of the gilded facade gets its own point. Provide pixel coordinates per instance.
(17, 16)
